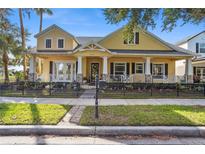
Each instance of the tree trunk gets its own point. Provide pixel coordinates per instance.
(5, 63)
(41, 20)
(23, 39)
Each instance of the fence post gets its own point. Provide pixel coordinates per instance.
(123, 88)
(50, 88)
(151, 88)
(204, 89)
(23, 88)
(177, 89)
(96, 97)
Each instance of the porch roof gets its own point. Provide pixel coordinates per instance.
(151, 52)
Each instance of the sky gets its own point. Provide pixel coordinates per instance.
(91, 22)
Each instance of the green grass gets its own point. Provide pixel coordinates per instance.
(31, 114)
(145, 115)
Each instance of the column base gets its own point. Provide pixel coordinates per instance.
(32, 77)
(190, 79)
(104, 77)
(80, 78)
(148, 78)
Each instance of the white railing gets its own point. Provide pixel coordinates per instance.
(140, 78)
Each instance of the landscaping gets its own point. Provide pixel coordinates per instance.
(32, 114)
(145, 115)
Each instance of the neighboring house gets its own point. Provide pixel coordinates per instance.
(62, 57)
(196, 44)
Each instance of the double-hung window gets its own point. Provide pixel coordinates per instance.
(158, 71)
(202, 47)
(120, 68)
(48, 43)
(132, 39)
(61, 43)
(139, 68)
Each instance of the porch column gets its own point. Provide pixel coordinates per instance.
(189, 71)
(105, 72)
(79, 71)
(32, 68)
(147, 70)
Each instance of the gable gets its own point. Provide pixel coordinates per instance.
(146, 42)
(54, 34)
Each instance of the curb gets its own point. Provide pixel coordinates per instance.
(180, 131)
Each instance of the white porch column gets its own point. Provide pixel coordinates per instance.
(147, 66)
(147, 70)
(105, 72)
(32, 68)
(189, 70)
(80, 67)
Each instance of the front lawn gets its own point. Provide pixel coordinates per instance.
(35, 114)
(145, 115)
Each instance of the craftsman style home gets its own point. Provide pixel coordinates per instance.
(61, 57)
(196, 44)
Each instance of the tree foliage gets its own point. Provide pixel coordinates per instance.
(146, 18)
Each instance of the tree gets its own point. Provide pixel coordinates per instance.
(9, 42)
(22, 12)
(147, 17)
(40, 12)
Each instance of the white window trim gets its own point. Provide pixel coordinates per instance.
(142, 67)
(200, 47)
(134, 40)
(122, 63)
(48, 38)
(72, 71)
(63, 42)
(162, 70)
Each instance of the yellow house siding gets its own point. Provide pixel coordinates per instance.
(146, 42)
(54, 34)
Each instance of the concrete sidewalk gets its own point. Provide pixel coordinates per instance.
(178, 131)
(88, 102)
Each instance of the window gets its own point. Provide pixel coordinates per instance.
(200, 71)
(60, 43)
(120, 68)
(139, 69)
(48, 43)
(158, 70)
(133, 39)
(202, 47)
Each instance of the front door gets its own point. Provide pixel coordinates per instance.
(94, 70)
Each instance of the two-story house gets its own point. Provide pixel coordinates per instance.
(196, 44)
(61, 57)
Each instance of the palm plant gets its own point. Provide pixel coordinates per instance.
(40, 12)
(9, 42)
(23, 12)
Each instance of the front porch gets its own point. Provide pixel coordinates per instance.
(84, 68)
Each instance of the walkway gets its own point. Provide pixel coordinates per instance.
(91, 101)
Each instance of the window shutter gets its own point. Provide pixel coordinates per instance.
(128, 68)
(166, 69)
(136, 38)
(151, 68)
(194, 68)
(76, 67)
(51, 67)
(111, 68)
(197, 47)
(144, 67)
(133, 68)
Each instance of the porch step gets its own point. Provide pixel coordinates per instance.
(85, 86)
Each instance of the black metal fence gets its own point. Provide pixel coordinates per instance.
(151, 90)
(41, 89)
